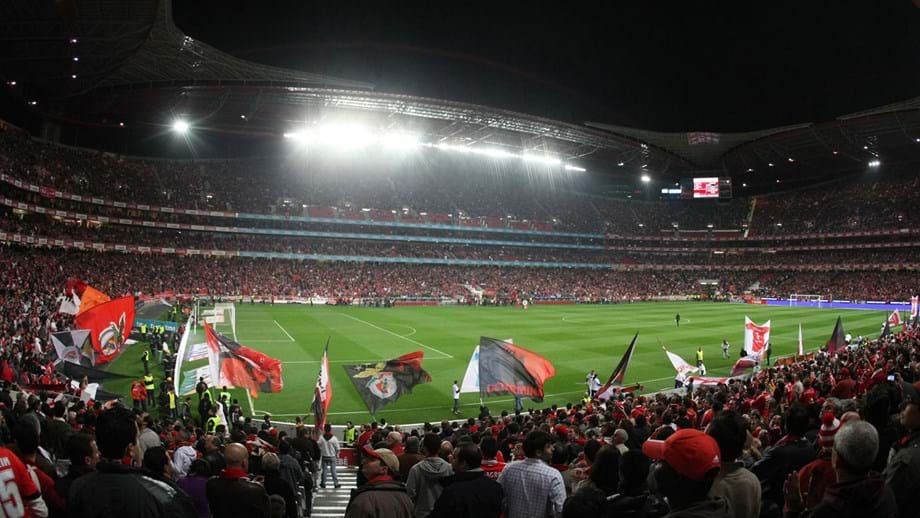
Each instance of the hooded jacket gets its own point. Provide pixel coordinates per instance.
(423, 486)
(378, 498)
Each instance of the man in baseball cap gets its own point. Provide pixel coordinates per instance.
(689, 462)
(382, 495)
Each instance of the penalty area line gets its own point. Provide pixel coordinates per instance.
(397, 335)
(283, 331)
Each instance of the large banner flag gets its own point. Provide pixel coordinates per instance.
(619, 373)
(236, 365)
(838, 340)
(74, 347)
(382, 383)
(895, 318)
(471, 376)
(683, 368)
(80, 297)
(756, 337)
(322, 393)
(743, 364)
(914, 307)
(190, 379)
(702, 381)
(506, 368)
(801, 350)
(109, 325)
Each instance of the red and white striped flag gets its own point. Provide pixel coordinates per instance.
(322, 394)
(894, 318)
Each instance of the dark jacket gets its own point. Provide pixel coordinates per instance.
(231, 494)
(120, 491)
(642, 505)
(903, 475)
(466, 494)
(380, 499)
(275, 485)
(777, 463)
(862, 498)
(709, 508)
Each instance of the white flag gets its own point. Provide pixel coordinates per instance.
(756, 337)
(683, 368)
(801, 344)
(471, 377)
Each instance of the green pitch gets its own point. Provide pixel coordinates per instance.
(574, 338)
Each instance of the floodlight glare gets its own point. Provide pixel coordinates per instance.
(569, 167)
(399, 140)
(646, 178)
(543, 159)
(345, 136)
(874, 163)
(494, 153)
(180, 126)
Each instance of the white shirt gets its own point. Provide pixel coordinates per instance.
(456, 391)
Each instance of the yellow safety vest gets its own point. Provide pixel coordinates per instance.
(699, 355)
(350, 435)
(212, 424)
(148, 382)
(223, 395)
(172, 400)
(144, 328)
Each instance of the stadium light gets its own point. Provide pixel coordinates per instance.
(569, 167)
(646, 178)
(180, 126)
(399, 140)
(874, 163)
(542, 159)
(346, 136)
(770, 164)
(621, 164)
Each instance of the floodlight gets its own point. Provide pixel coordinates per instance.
(494, 153)
(569, 167)
(399, 140)
(874, 163)
(542, 159)
(646, 178)
(348, 136)
(180, 126)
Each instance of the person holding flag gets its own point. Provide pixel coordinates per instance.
(322, 393)
(456, 391)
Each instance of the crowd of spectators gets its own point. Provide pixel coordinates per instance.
(443, 186)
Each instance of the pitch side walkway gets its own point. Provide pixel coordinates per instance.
(329, 502)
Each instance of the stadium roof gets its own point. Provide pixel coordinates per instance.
(131, 63)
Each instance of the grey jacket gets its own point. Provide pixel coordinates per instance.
(423, 485)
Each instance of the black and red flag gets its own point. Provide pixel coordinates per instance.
(236, 365)
(382, 383)
(506, 368)
(838, 339)
(614, 383)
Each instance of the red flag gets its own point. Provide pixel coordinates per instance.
(894, 318)
(240, 366)
(506, 368)
(109, 324)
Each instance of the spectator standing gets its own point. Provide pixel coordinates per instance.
(689, 465)
(275, 485)
(532, 488)
(194, 484)
(468, 492)
(410, 457)
(147, 438)
(456, 391)
(423, 484)
(231, 494)
(115, 489)
(856, 494)
(633, 499)
(381, 496)
(734, 483)
(903, 471)
(329, 450)
(791, 452)
(490, 464)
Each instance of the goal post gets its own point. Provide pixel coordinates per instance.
(222, 316)
(797, 299)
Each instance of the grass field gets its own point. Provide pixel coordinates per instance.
(576, 339)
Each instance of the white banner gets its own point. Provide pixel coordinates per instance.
(756, 337)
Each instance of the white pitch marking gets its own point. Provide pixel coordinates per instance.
(283, 331)
(442, 353)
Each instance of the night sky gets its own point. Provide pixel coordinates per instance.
(669, 66)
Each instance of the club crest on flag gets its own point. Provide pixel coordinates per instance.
(382, 385)
(113, 336)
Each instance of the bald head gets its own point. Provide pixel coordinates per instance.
(237, 456)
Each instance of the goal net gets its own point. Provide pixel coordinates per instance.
(805, 299)
(222, 316)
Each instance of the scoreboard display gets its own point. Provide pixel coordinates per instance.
(702, 188)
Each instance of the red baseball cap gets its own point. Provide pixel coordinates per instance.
(690, 452)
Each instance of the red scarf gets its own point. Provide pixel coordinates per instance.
(380, 478)
(233, 473)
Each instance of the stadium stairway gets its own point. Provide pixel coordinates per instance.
(330, 502)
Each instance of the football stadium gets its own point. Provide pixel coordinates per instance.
(373, 262)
